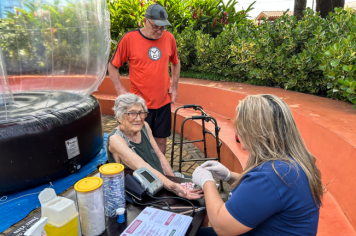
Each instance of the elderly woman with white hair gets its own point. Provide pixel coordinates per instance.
(133, 145)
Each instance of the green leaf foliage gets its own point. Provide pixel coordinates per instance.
(313, 55)
(37, 32)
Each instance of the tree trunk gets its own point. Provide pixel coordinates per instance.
(318, 4)
(326, 6)
(338, 3)
(299, 7)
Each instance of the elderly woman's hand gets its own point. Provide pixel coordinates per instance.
(183, 192)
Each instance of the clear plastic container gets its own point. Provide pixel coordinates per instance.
(54, 54)
(113, 187)
(89, 195)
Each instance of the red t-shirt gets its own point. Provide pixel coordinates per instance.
(148, 65)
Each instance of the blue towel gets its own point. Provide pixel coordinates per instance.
(17, 205)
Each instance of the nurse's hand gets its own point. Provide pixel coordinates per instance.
(218, 170)
(201, 175)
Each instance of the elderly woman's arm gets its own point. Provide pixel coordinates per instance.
(123, 154)
(167, 169)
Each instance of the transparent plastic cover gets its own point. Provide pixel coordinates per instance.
(53, 54)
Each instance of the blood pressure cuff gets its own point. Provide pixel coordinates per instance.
(133, 188)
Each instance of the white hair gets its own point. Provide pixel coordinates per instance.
(124, 101)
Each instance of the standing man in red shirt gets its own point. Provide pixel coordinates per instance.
(149, 51)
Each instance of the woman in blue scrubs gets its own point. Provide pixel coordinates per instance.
(280, 190)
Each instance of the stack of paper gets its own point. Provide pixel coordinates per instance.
(157, 222)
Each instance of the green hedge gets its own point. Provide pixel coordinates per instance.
(211, 16)
(314, 55)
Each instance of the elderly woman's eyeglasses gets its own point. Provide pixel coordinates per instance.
(133, 115)
(157, 28)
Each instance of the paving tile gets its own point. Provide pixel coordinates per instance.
(185, 168)
(195, 165)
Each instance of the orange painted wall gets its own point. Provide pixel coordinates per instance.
(336, 159)
(106, 92)
(212, 99)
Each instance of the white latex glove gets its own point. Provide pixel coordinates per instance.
(218, 170)
(201, 175)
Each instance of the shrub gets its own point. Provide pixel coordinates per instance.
(338, 61)
(212, 16)
(200, 14)
(314, 55)
(186, 48)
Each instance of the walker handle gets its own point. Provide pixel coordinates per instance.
(198, 117)
(190, 106)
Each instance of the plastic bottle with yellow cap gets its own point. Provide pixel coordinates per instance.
(113, 187)
(89, 194)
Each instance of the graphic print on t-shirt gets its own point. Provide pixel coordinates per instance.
(154, 53)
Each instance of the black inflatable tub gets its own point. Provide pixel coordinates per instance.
(41, 147)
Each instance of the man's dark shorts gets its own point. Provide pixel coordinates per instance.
(160, 121)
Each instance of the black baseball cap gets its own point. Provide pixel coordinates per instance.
(157, 14)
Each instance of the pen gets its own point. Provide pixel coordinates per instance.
(179, 207)
(196, 210)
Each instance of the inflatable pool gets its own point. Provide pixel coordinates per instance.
(53, 55)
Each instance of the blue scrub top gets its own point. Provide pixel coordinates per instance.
(264, 202)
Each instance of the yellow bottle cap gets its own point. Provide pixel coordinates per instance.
(111, 168)
(88, 184)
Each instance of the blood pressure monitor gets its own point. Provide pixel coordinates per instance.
(148, 180)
